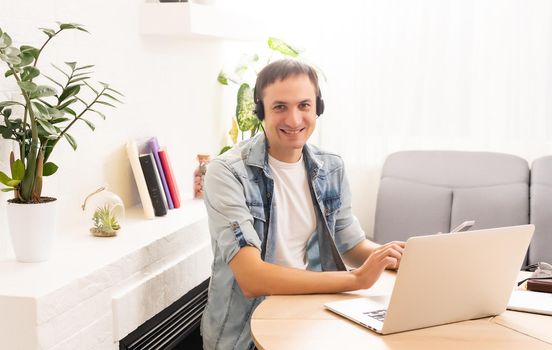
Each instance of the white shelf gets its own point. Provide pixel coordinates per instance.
(190, 20)
(93, 291)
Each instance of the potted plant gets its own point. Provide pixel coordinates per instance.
(246, 71)
(47, 109)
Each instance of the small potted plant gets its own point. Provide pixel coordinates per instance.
(105, 222)
(43, 115)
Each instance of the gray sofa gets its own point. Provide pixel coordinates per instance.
(424, 192)
(541, 210)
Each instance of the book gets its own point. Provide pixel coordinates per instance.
(154, 146)
(153, 183)
(169, 175)
(540, 286)
(133, 157)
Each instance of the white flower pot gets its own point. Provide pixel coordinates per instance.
(32, 230)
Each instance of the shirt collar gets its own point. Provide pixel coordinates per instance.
(258, 155)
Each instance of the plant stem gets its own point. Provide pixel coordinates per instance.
(43, 45)
(27, 184)
(75, 120)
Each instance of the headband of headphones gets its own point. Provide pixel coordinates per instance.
(259, 106)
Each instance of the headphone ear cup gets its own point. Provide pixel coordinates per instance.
(259, 110)
(319, 105)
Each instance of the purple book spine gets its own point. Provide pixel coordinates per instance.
(154, 146)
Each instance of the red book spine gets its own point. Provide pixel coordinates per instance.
(169, 174)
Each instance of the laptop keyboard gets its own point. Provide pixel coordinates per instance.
(377, 314)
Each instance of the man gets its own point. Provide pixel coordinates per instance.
(280, 213)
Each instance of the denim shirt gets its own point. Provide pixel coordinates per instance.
(238, 197)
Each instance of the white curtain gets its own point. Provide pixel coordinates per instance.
(423, 74)
(434, 74)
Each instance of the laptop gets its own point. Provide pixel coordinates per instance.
(445, 278)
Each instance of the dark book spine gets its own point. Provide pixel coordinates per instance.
(154, 186)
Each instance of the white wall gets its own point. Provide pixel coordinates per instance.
(169, 85)
(442, 74)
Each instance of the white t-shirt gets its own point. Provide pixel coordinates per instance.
(295, 219)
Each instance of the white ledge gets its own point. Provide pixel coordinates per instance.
(189, 20)
(91, 280)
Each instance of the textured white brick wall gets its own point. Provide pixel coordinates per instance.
(142, 272)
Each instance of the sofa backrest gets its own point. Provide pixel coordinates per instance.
(541, 210)
(424, 192)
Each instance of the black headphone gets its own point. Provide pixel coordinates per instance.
(259, 106)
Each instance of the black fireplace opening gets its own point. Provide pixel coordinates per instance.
(176, 327)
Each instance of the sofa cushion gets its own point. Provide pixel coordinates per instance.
(408, 208)
(492, 206)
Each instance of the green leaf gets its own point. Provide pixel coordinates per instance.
(223, 79)
(48, 31)
(45, 102)
(13, 183)
(27, 86)
(115, 91)
(84, 67)
(11, 59)
(71, 140)
(58, 120)
(91, 88)
(33, 51)
(71, 90)
(43, 91)
(245, 108)
(40, 110)
(7, 189)
(5, 40)
(245, 62)
(5, 178)
(49, 128)
(49, 169)
(25, 59)
(18, 170)
(67, 103)
(98, 112)
(106, 103)
(61, 70)
(72, 65)
(70, 111)
(72, 26)
(29, 73)
(89, 123)
(53, 81)
(55, 113)
(5, 132)
(10, 103)
(8, 73)
(283, 48)
(224, 149)
(78, 79)
(111, 97)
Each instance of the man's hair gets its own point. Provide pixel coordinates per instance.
(280, 70)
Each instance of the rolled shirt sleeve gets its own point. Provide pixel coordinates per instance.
(348, 232)
(230, 221)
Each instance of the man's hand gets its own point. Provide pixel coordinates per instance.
(387, 256)
(398, 246)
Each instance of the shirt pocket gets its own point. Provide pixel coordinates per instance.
(259, 218)
(331, 208)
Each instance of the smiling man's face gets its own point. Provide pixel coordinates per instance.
(290, 116)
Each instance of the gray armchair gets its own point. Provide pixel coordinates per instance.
(424, 192)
